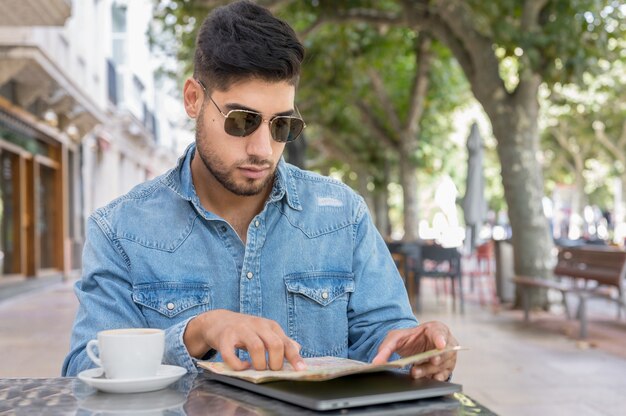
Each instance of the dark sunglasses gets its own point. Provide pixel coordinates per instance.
(242, 123)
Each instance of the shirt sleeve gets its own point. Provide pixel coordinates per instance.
(380, 302)
(105, 295)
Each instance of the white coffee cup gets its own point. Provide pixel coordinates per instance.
(128, 353)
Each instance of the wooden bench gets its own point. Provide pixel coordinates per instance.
(588, 272)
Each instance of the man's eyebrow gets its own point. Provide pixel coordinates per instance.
(236, 106)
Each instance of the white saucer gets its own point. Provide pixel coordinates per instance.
(166, 375)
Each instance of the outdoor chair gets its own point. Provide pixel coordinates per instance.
(417, 260)
(480, 271)
(438, 262)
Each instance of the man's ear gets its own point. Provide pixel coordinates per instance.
(193, 97)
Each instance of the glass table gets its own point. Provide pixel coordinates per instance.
(192, 395)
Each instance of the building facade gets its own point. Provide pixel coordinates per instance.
(80, 123)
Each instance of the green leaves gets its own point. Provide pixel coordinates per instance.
(570, 37)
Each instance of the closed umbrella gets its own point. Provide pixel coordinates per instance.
(474, 199)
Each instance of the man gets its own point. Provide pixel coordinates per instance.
(237, 255)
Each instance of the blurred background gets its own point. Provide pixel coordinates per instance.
(465, 124)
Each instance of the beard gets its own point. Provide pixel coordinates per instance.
(224, 174)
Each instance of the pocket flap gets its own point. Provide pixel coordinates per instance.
(171, 298)
(322, 287)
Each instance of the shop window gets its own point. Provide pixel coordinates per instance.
(47, 217)
(10, 255)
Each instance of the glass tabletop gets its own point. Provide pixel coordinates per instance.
(192, 395)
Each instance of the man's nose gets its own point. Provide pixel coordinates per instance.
(260, 142)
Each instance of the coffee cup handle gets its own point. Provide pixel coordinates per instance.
(90, 352)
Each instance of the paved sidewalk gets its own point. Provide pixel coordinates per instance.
(35, 331)
(511, 368)
(541, 368)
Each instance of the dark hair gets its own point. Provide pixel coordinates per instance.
(243, 40)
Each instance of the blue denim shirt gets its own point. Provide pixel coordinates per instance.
(313, 262)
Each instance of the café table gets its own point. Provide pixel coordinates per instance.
(192, 395)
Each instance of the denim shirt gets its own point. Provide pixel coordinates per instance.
(313, 262)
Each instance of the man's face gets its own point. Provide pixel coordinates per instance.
(244, 166)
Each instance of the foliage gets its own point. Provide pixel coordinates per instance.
(571, 44)
(335, 79)
(339, 58)
(578, 112)
(571, 37)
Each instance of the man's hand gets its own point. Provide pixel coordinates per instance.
(225, 331)
(416, 340)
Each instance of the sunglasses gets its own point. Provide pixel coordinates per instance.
(242, 123)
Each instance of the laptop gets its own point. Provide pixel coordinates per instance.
(349, 391)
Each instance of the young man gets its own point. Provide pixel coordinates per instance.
(237, 255)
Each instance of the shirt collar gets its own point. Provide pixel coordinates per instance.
(285, 185)
(180, 181)
(179, 178)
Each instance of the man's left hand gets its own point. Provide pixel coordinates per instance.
(424, 337)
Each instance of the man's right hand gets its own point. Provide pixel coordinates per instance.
(225, 331)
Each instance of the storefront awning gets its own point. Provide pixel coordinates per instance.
(37, 77)
(35, 12)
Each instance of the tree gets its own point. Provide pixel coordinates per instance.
(507, 49)
(567, 145)
(370, 88)
(578, 118)
(608, 120)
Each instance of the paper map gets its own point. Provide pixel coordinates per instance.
(320, 368)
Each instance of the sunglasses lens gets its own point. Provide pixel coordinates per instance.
(242, 123)
(286, 129)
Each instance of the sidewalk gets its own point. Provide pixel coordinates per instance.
(35, 331)
(511, 368)
(540, 368)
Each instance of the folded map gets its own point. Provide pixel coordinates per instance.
(320, 368)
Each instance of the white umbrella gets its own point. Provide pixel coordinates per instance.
(474, 199)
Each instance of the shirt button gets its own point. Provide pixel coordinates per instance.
(250, 275)
(256, 223)
(325, 295)
(170, 306)
(223, 228)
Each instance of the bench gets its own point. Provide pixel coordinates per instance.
(588, 272)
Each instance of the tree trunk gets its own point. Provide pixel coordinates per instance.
(408, 181)
(362, 181)
(381, 207)
(619, 212)
(381, 203)
(410, 136)
(515, 125)
(578, 202)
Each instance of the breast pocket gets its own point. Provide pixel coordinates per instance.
(166, 303)
(318, 311)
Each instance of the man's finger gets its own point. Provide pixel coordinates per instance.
(441, 376)
(292, 353)
(275, 350)
(256, 349)
(438, 337)
(387, 347)
(435, 360)
(440, 340)
(424, 370)
(230, 358)
(295, 344)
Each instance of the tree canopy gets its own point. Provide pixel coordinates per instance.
(364, 83)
